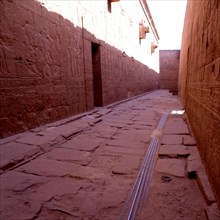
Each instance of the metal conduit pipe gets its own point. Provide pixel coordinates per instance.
(145, 178)
(141, 185)
(137, 181)
(136, 184)
(138, 193)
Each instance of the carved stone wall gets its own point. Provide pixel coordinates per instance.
(199, 81)
(169, 69)
(46, 58)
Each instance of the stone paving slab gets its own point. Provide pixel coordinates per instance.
(126, 143)
(83, 142)
(205, 186)
(35, 197)
(173, 150)
(176, 126)
(194, 163)
(133, 135)
(188, 140)
(12, 153)
(175, 167)
(101, 130)
(65, 131)
(90, 162)
(119, 150)
(69, 155)
(212, 212)
(172, 139)
(126, 165)
(19, 181)
(41, 139)
(53, 168)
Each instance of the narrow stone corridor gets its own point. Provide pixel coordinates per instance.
(84, 167)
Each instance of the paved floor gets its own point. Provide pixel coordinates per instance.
(84, 167)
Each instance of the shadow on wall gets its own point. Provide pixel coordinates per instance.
(51, 70)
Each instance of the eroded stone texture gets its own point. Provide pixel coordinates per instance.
(83, 142)
(169, 69)
(176, 126)
(174, 167)
(172, 139)
(12, 153)
(199, 81)
(69, 155)
(212, 212)
(173, 150)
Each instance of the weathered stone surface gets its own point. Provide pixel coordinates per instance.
(69, 155)
(169, 69)
(101, 130)
(176, 125)
(199, 85)
(172, 139)
(65, 131)
(194, 163)
(62, 183)
(212, 212)
(173, 150)
(118, 150)
(53, 168)
(174, 167)
(105, 160)
(138, 127)
(19, 182)
(127, 143)
(84, 142)
(133, 135)
(18, 208)
(126, 165)
(12, 153)
(91, 120)
(81, 205)
(189, 140)
(40, 139)
(205, 186)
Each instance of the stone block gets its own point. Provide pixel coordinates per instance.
(194, 163)
(188, 140)
(176, 128)
(173, 151)
(205, 186)
(42, 139)
(19, 182)
(175, 167)
(119, 150)
(212, 212)
(126, 165)
(84, 142)
(54, 168)
(69, 155)
(13, 153)
(172, 139)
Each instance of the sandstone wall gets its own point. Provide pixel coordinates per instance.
(199, 81)
(169, 69)
(46, 58)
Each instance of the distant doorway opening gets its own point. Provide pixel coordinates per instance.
(97, 76)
